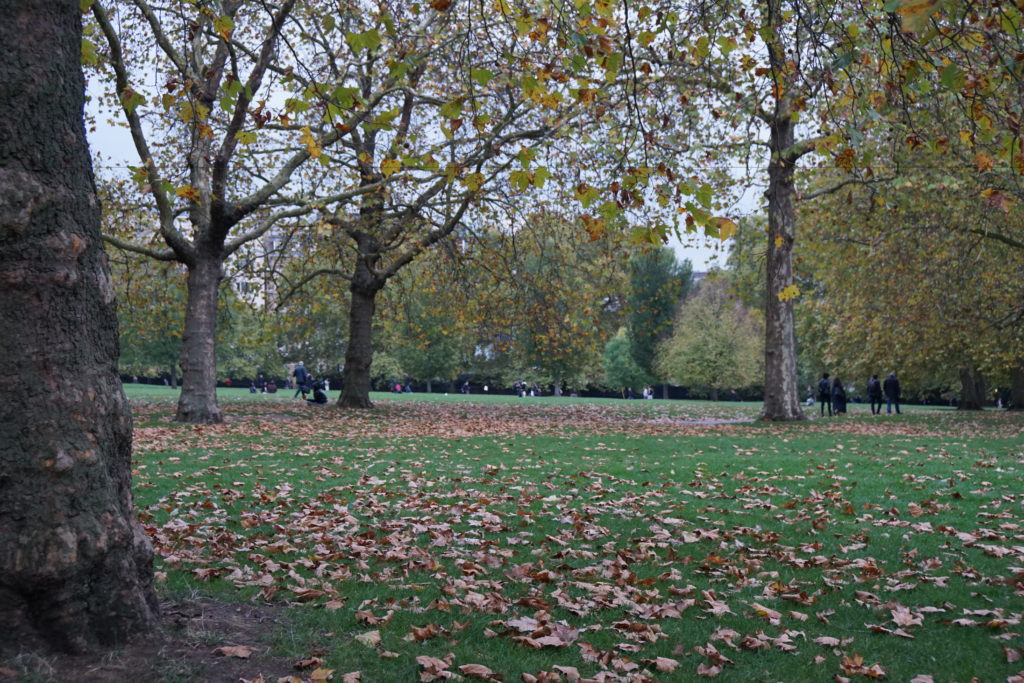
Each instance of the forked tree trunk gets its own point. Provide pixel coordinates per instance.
(972, 389)
(75, 566)
(197, 403)
(781, 394)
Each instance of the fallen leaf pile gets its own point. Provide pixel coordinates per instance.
(580, 544)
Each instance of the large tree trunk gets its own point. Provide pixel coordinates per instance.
(781, 393)
(75, 566)
(355, 391)
(713, 393)
(1017, 386)
(197, 403)
(972, 389)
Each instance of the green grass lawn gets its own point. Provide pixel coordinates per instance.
(628, 539)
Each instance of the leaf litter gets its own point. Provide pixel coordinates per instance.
(615, 548)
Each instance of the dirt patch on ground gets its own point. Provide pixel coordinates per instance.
(186, 650)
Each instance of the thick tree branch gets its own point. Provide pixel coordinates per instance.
(156, 254)
(998, 237)
(838, 186)
(232, 245)
(296, 288)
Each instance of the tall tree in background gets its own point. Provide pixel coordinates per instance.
(620, 369)
(561, 288)
(200, 158)
(786, 78)
(657, 285)
(716, 342)
(75, 566)
(931, 289)
(426, 324)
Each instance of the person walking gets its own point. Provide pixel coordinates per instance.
(891, 387)
(875, 395)
(301, 376)
(838, 397)
(825, 394)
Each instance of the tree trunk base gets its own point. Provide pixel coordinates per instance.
(799, 417)
(198, 414)
(357, 402)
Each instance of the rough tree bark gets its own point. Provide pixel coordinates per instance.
(197, 403)
(365, 285)
(781, 395)
(75, 566)
(972, 389)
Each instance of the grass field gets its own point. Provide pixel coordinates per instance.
(543, 539)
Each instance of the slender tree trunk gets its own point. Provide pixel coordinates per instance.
(781, 394)
(429, 386)
(713, 393)
(972, 389)
(75, 566)
(664, 391)
(197, 403)
(1017, 386)
(557, 386)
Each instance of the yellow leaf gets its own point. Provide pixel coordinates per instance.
(312, 146)
(473, 181)
(778, 241)
(726, 228)
(915, 13)
(389, 167)
(788, 293)
(188, 192)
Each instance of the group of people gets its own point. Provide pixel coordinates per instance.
(832, 395)
(304, 384)
(523, 389)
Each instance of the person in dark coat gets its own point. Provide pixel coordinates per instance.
(301, 380)
(838, 397)
(319, 397)
(875, 395)
(891, 387)
(825, 394)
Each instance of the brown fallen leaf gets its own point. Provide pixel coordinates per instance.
(369, 639)
(352, 677)
(321, 674)
(239, 651)
(479, 671)
(308, 663)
